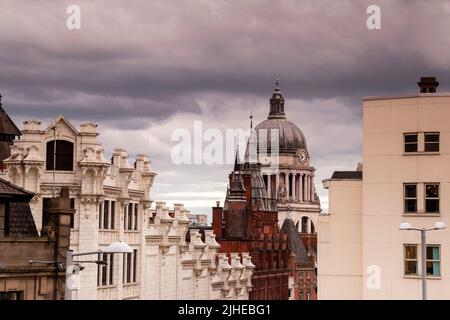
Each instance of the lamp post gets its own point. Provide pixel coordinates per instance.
(116, 247)
(406, 226)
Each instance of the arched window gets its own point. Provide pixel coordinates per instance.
(305, 224)
(63, 155)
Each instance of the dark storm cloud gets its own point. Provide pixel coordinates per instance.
(163, 51)
(142, 68)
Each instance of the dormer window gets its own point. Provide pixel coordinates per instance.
(62, 158)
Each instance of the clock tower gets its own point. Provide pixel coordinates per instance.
(290, 181)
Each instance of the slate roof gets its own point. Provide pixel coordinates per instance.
(297, 246)
(347, 175)
(21, 222)
(7, 126)
(9, 190)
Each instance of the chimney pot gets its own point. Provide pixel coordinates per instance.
(428, 84)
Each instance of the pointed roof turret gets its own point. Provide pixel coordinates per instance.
(277, 103)
(7, 126)
(237, 189)
(237, 161)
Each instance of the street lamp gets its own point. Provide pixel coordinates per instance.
(116, 247)
(406, 226)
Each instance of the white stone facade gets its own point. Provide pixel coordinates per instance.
(193, 269)
(112, 202)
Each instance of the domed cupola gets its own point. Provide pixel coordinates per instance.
(290, 137)
(277, 103)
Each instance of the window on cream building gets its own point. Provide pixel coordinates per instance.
(411, 142)
(429, 199)
(131, 216)
(105, 272)
(130, 267)
(411, 260)
(410, 197)
(431, 141)
(61, 158)
(421, 142)
(433, 260)
(432, 198)
(106, 215)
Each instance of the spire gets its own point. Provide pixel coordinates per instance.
(237, 160)
(277, 103)
(237, 189)
(251, 119)
(288, 215)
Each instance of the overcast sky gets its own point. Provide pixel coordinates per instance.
(141, 69)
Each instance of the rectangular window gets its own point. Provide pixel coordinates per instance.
(128, 268)
(113, 214)
(136, 206)
(134, 265)
(410, 197)
(130, 216)
(45, 214)
(410, 140)
(431, 141)
(124, 267)
(111, 269)
(432, 198)
(106, 215)
(72, 206)
(125, 209)
(411, 262)
(105, 271)
(433, 261)
(11, 295)
(100, 216)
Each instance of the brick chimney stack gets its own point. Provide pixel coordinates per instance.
(61, 214)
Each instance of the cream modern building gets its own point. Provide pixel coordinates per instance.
(112, 202)
(405, 177)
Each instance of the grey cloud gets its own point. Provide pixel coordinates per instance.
(151, 66)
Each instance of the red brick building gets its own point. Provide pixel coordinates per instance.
(302, 261)
(248, 222)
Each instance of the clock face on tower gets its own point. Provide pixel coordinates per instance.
(302, 156)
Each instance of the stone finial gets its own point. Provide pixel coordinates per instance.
(247, 260)
(88, 128)
(196, 239)
(210, 239)
(31, 125)
(236, 261)
(223, 262)
(33, 154)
